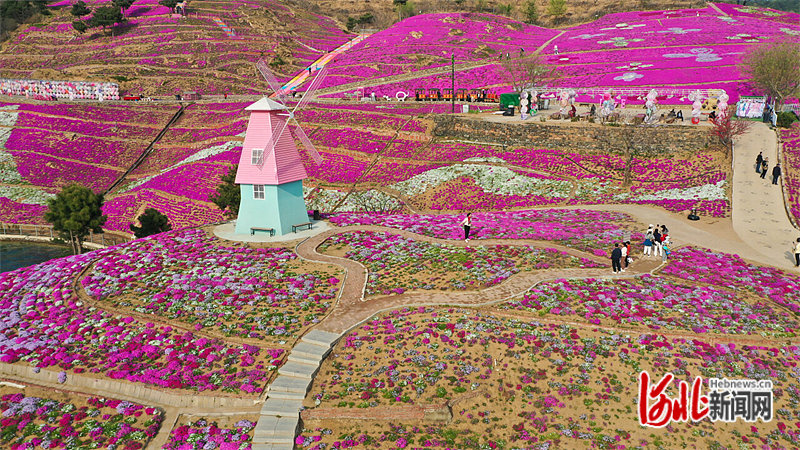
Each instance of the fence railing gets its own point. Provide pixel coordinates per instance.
(46, 231)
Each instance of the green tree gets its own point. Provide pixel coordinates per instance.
(775, 70)
(106, 16)
(79, 9)
(228, 195)
(80, 26)
(41, 7)
(152, 222)
(531, 13)
(557, 9)
(169, 3)
(74, 212)
(123, 5)
(406, 9)
(505, 10)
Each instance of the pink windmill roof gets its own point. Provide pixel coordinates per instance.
(281, 166)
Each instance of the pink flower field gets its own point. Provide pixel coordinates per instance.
(688, 49)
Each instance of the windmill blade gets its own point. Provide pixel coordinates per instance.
(312, 151)
(273, 140)
(311, 88)
(271, 80)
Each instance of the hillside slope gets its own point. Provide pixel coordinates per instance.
(156, 53)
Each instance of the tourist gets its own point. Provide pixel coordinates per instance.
(764, 165)
(629, 258)
(467, 223)
(616, 256)
(776, 172)
(679, 115)
(624, 250)
(555, 49)
(797, 253)
(664, 233)
(664, 250)
(656, 241)
(759, 160)
(648, 240)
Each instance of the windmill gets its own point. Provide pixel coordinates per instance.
(271, 171)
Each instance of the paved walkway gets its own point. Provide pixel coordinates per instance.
(759, 214)
(317, 65)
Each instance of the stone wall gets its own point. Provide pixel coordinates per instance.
(137, 392)
(581, 136)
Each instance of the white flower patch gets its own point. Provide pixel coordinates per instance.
(634, 66)
(8, 168)
(486, 159)
(700, 55)
(368, 201)
(624, 26)
(591, 188)
(629, 76)
(492, 179)
(8, 118)
(200, 155)
(679, 30)
(587, 36)
(704, 192)
(26, 195)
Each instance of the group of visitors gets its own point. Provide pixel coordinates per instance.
(656, 243)
(762, 164)
(621, 254)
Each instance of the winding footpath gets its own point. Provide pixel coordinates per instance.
(759, 231)
(759, 214)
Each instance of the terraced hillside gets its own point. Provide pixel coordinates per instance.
(693, 48)
(44, 147)
(162, 54)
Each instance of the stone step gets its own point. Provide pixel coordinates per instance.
(289, 384)
(281, 407)
(259, 446)
(324, 338)
(287, 395)
(303, 359)
(310, 351)
(270, 428)
(280, 441)
(299, 370)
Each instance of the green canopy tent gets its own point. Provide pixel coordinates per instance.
(509, 99)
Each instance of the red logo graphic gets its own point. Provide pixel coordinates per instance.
(662, 410)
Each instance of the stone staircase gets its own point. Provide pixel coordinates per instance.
(280, 416)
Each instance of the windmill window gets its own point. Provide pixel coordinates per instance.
(258, 191)
(258, 156)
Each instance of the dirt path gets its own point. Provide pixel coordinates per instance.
(353, 309)
(759, 214)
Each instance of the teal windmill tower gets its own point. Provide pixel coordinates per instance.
(271, 172)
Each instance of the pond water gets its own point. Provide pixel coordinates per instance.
(16, 254)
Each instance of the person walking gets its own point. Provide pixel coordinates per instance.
(616, 256)
(656, 241)
(648, 241)
(624, 259)
(764, 165)
(797, 253)
(628, 259)
(759, 160)
(776, 172)
(467, 223)
(664, 250)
